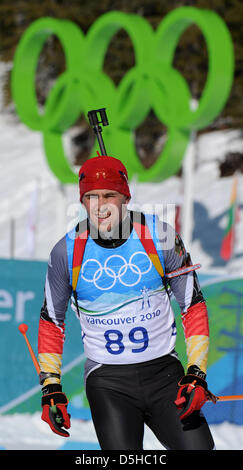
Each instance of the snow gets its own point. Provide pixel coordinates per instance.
(22, 167)
(29, 432)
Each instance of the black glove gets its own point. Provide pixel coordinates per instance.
(54, 404)
(193, 392)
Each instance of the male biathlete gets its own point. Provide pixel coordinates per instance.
(113, 266)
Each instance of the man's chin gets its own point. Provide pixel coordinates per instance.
(105, 227)
(102, 227)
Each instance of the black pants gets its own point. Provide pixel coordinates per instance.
(122, 398)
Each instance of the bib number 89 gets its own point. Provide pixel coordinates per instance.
(114, 344)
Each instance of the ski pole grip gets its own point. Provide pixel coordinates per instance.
(180, 401)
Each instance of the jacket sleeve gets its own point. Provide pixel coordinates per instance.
(187, 292)
(51, 332)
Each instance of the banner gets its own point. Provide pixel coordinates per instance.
(21, 297)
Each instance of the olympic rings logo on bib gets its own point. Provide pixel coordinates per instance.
(152, 84)
(126, 273)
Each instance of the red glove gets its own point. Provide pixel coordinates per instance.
(54, 403)
(193, 392)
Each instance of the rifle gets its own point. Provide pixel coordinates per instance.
(97, 117)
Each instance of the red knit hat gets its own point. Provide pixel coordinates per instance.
(103, 172)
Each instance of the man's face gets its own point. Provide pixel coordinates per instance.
(105, 208)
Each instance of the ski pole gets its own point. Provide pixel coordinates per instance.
(229, 398)
(182, 400)
(23, 329)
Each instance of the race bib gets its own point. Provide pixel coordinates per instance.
(140, 331)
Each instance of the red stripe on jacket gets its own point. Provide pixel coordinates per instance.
(50, 337)
(195, 320)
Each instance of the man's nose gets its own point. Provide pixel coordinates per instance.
(101, 202)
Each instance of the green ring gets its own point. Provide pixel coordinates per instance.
(152, 84)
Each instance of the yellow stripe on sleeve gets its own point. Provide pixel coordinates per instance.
(197, 351)
(51, 362)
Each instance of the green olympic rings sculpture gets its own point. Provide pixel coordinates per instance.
(153, 83)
